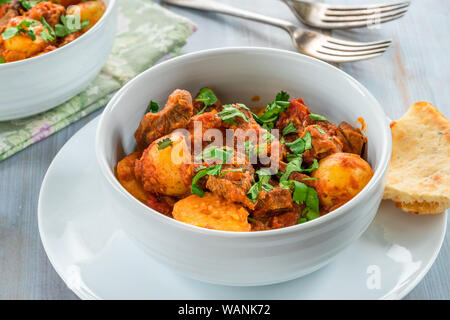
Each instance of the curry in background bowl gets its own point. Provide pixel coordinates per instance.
(282, 165)
(32, 28)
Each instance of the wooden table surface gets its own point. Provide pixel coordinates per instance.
(415, 68)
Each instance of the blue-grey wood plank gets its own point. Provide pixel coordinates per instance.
(415, 68)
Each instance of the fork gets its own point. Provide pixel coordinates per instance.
(324, 16)
(308, 42)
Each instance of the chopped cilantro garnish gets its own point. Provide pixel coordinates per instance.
(27, 5)
(153, 107)
(250, 150)
(268, 137)
(294, 165)
(207, 97)
(232, 170)
(282, 96)
(229, 112)
(301, 193)
(4, 1)
(2, 60)
(313, 167)
(164, 143)
(308, 179)
(320, 130)
(270, 116)
(302, 220)
(22, 27)
(307, 139)
(300, 145)
(264, 175)
(290, 128)
(297, 146)
(212, 171)
(213, 152)
(70, 24)
(48, 34)
(317, 117)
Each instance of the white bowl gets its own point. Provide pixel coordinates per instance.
(40, 83)
(237, 74)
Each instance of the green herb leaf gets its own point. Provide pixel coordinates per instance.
(207, 97)
(213, 152)
(294, 165)
(70, 24)
(2, 60)
(317, 117)
(9, 33)
(307, 139)
(290, 128)
(264, 175)
(304, 194)
(268, 137)
(13, 31)
(300, 193)
(313, 167)
(231, 170)
(250, 149)
(229, 112)
(48, 34)
(271, 113)
(252, 194)
(297, 146)
(320, 129)
(153, 107)
(27, 5)
(212, 171)
(282, 96)
(164, 143)
(4, 1)
(302, 220)
(308, 179)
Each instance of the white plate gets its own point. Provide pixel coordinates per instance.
(98, 261)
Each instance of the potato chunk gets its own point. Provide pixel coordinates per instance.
(341, 177)
(89, 10)
(212, 212)
(22, 46)
(164, 165)
(126, 177)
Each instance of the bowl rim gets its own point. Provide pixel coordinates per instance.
(110, 4)
(346, 208)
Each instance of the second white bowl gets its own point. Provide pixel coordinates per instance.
(40, 83)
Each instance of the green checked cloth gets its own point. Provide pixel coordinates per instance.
(146, 33)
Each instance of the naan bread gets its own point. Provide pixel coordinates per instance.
(419, 172)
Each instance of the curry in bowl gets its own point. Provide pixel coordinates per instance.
(237, 168)
(32, 28)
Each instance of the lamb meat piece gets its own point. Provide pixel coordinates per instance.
(176, 114)
(322, 145)
(7, 11)
(205, 121)
(284, 220)
(297, 113)
(271, 203)
(51, 12)
(233, 186)
(198, 105)
(163, 205)
(352, 138)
